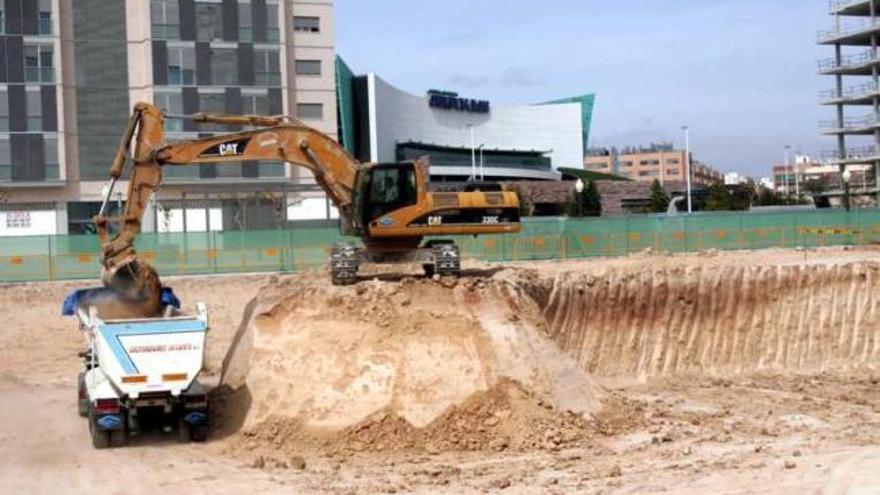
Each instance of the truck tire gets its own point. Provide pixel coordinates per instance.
(117, 438)
(184, 431)
(82, 399)
(100, 438)
(199, 433)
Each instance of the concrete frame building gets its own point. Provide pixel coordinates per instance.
(855, 97)
(70, 73)
(660, 162)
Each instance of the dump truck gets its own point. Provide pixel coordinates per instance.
(388, 206)
(139, 370)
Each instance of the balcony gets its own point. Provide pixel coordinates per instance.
(850, 7)
(862, 154)
(852, 126)
(851, 65)
(862, 94)
(857, 34)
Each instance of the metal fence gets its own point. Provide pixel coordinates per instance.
(75, 256)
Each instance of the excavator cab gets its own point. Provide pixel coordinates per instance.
(382, 189)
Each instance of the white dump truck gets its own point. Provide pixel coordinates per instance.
(140, 371)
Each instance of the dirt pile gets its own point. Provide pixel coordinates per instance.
(711, 319)
(411, 365)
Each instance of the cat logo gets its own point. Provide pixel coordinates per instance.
(231, 148)
(227, 149)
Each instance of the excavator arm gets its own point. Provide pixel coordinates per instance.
(276, 139)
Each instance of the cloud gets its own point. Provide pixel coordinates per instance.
(468, 80)
(522, 77)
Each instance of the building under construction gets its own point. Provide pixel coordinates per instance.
(855, 97)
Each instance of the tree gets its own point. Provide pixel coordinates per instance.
(659, 198)
(719, 198)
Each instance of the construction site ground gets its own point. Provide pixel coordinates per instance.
(707, 373)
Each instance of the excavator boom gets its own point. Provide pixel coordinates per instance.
(388, 206)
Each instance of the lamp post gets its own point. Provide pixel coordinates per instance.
(578, 199)
(473, 154)
(787, 168)
(687, 158)
(482, 176)
(846, 176)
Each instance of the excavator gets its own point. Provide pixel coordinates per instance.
(387, 205)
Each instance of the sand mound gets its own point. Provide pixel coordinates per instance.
(403, 365)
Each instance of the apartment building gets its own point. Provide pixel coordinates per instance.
(657, 162)
(70, 73)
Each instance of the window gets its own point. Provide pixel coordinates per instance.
(245, 22)
(390, 189)
(267, 68)
(649, 173)
(672, 161)
(273, 32)
(671, 171)
(310, 111)
(165, 18)
(209, 21)
(38, 63)
(645, 163)
(181, 66)
(45, 17)
(4, 110)
(34, 105)
(255, 103)
(5, 159)
(50, 155)
(626, 164)
(224, 66)
(302, 24)
(308, 67)
(2, 19)
(212, 103)
(172, 104)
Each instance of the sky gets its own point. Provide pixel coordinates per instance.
(742, 74)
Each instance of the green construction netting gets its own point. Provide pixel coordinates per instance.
(75, 257)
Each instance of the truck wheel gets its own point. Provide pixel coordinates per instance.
(117, 438)
(100, 438)
(199, 433)
(82, 403)
(184, 431)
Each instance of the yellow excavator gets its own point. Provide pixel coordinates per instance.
(389, 206)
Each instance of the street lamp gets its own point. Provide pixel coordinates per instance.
(578, 197)
(847, 176)
(482, 176)
(687, 153)
(473, 154)
(787, 168)
(579, 186)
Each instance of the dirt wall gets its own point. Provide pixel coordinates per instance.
(713, 319)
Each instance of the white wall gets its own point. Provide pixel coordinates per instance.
(28, 222)
(311, 209)
(172, 221)
(401, 117)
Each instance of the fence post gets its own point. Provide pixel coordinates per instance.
(51, 261)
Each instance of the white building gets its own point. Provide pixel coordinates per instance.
(511, 142)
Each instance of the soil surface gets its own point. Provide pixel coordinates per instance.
(708, 373)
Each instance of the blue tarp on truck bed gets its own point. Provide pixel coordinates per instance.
(68, 308)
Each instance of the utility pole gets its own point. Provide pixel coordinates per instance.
(687, 157)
